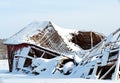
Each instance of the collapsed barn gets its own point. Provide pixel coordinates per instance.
(107, 62)
(40, 45)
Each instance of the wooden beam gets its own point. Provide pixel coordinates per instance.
(98, 75)
(105, 56)
(116, 73)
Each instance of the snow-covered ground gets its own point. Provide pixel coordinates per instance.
(7, 77)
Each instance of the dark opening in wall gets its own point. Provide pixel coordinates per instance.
(28, 62)
(86, 39)
(91, 71)
(48, 56)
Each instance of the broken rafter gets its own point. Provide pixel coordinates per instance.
(91, 39)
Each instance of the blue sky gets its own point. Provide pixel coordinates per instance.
(96, 15)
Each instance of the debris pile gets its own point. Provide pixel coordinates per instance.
(47, 50)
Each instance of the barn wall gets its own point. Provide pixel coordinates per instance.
(11, 49)
(35, 52)
(10, 56)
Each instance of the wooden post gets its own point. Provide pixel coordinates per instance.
(94, 76)
(105, 56)
(116, 73)
(91, 39)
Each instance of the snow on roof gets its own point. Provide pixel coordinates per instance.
(65, 34)
(23, 35)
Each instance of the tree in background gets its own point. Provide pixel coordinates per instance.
(3, 50)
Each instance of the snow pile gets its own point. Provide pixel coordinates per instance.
(6, 77)
(44, 66)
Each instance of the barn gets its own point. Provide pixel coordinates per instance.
(47, 40)
(40, 35)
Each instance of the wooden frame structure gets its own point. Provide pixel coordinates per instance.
(107, 63)
(17, 61)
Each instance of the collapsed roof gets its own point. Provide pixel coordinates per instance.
(53, 37)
